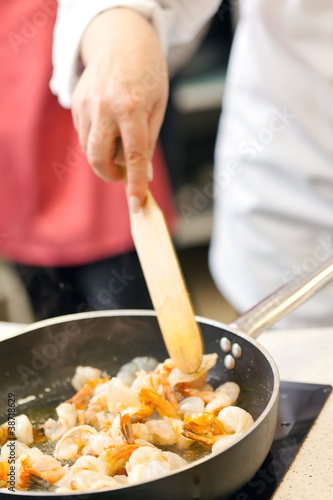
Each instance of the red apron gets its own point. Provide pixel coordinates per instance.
(54, 211)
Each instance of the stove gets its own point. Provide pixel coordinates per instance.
(300, 404)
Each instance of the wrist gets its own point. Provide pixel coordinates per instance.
(111, 29)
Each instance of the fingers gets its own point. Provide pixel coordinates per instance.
(98, 140)
(83, 130)
(154, 126)
(101, 147)
(108, 114)
(134, 135)
(139, 136)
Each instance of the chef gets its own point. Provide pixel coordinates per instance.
(273, 217)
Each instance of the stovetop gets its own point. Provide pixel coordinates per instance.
(300, 404)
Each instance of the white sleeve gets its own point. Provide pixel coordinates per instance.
(175, 21)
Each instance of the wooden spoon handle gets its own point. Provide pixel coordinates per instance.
(166, 286)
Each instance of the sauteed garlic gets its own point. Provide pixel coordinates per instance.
(121, 430)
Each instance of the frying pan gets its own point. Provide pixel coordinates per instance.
(42, 361)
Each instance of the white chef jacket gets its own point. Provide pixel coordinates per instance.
(274, 156)
(273, 216)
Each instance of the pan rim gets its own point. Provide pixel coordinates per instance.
(146, 312)
(152, 313)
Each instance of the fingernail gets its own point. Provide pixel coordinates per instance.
(150, 172)
(134, 204)
(119, 163)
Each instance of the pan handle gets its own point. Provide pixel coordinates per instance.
(283, 301)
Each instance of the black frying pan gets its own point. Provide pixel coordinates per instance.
(42, 361)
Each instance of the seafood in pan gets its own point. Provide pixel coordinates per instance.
(147, 421)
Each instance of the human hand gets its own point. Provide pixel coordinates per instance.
(122, 93)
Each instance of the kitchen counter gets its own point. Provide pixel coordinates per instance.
(301, 356)
(307, 356)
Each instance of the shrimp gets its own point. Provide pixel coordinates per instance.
(147, 463)
(144, 454)
(21, 430)
(68, 416)
(122, 430)
(150, 397)
(225, 442)
(103, 420)
(174, 384)
(175, 461)
(161, 432)
(182, 442)
(116, 457)
(87, 462)
(84, 374)
(158, 379)
(4, 471)
(81, 399)
(191, 405)
(83, 480)
(81, 416)
(33, 463)
(120, 397)
(203, 427)
(141, 432)
(100, 442)
(225, 395)
(39, 435)
(176, 376)
(52, 428)
(149, 472)
(12, 450)
(143, 379)
(235, 419)
(97, 403)
(127, 373)
(231, 389)
(167, 431)
(218, 402)
(74, 442)
(123, 399)
(4, 433)
(190, 391)
(127, 428)
(109, 428)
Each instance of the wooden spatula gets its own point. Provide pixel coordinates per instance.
(166, 286)
(165, 281)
